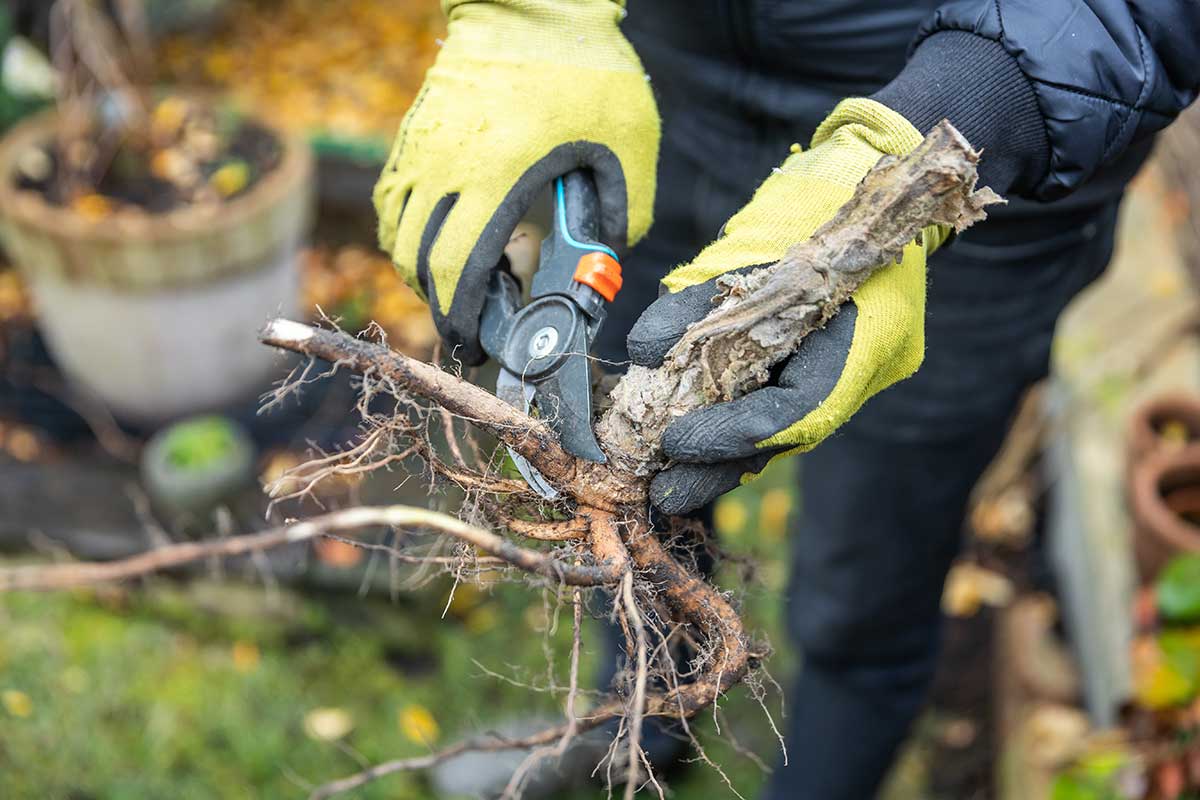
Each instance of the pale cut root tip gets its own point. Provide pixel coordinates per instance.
(285, 330)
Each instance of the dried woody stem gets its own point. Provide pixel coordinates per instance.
(66, 576)
(760, 318)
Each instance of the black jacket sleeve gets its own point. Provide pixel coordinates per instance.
(1052, 90)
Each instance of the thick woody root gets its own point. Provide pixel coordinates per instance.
(610, 565)
(591, 484)
(603, 496)
(760, 318)
(693, 600)
(527, 436)
(690, 599)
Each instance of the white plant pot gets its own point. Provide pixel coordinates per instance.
(157, 315)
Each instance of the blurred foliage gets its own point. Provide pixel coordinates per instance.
(204, 691)
(219, 689)
(341, 71)
(357, 286)
(1157, 757)
(23, 72)
(1166, 656)
(1093, 778)
(1178, 589)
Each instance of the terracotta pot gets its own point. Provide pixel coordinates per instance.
(156, 315)
(1165, 495)
(1148, 420)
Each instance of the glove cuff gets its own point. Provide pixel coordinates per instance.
(873, 122)
(976, 84)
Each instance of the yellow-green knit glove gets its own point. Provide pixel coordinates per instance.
(523, 91)
(878, 338)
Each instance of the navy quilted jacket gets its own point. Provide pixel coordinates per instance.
(1104, 73)
(1058, 92)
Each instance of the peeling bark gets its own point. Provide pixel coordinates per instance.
(760, 318)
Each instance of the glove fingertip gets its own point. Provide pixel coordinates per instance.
(687, 487)
(649, 352)
(665, 321)
(673, 493)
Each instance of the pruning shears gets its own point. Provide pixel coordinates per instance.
(542, 347)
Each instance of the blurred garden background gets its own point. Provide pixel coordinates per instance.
(1071, 667)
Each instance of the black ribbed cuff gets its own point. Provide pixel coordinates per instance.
(980, 88)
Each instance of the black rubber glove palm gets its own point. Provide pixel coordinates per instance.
(714, 448)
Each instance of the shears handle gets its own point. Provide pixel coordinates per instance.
(573, 260)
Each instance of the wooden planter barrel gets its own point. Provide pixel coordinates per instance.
(156, 315)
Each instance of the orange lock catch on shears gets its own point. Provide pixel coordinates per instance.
(600, 271)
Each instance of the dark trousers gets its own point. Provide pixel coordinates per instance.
(884, 498)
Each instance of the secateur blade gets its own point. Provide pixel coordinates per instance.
(511, 390)
(564, 399)
(542, 347)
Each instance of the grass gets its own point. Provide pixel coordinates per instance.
(207, 689)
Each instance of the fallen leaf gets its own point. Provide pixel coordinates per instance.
(23, 444)
(1157, 683)
(16, 703)
(328, 724)
(230, 178)
(277, 464)
(773, 513)
(1007, 518)
(93, 207)
(418, 725)
(1178, 589)
(960, 599)
(730, 515)
(337, 553)
(1056, 734)
(168, 117)
(173, 166)
(969, 586)
(246, 656)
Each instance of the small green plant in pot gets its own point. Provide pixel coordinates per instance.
(191, 467)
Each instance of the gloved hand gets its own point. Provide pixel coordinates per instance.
(523, 91)
(876, 339)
